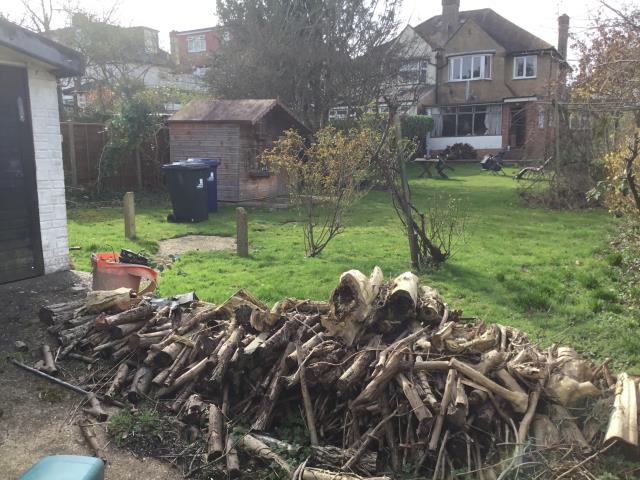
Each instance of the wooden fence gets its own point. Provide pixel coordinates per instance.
(82, 148)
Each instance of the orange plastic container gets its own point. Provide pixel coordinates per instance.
(110, 274)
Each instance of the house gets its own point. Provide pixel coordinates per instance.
(193, 48)
(485, 81)
(494, 82)
(235, 132)
(118, 56)
(33, 236)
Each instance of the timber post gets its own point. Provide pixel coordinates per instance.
(242, 232)
(129, 215)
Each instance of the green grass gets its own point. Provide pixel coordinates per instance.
(550, 273)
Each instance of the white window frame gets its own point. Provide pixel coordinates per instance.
(526, 59)
(417, 68)
(196, 43)
(457, 62)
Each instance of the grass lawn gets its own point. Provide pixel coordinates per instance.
(550, 273)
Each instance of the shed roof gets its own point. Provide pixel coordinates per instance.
(64, 61)
(230, 111)
(512, 37)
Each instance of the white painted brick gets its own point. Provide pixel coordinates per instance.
(49, 171)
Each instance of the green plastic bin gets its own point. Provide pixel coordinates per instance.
(66, 467)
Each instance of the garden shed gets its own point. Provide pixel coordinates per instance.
(235, 132)
(33, 218)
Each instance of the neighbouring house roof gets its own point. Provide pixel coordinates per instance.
(230, 111)
(65, 61)
(512, 37)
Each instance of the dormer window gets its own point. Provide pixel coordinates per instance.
(470, 67)
(525, 66)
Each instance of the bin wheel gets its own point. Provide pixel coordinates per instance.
(171, 218)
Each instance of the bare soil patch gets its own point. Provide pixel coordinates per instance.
(37, 418)
(194, 243)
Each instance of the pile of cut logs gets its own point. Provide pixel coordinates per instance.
(385, 375)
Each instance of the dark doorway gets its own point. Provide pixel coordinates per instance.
(20, 245)
(518, 126)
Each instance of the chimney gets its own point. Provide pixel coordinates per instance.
(563, 35)
(450, 16)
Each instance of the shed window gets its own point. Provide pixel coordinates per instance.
(525, 67)
(196, 43)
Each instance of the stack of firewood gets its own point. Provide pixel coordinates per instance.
(386, 376)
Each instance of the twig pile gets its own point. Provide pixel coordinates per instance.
(386, 376)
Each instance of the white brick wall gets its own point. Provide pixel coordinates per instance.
(49, 173)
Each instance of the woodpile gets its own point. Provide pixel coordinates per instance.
(385, 375)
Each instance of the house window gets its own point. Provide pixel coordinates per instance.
(338, 113)
(525, 67)
(414, 72)
(470, 67)
(196, 43)
(467, 120)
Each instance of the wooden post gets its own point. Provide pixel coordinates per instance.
(71, 138)
(242, 232)
(129, 216)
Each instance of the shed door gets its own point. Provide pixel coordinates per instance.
(20, 245)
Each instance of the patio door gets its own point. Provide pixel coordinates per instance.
(518, 126)
(20, 244)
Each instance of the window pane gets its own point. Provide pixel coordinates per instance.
(455, 68)
(519, 67)
(464, 108)
(466, 68)
(464, 124)
(531, 67)
(479, 127)
(487, 66)
(476, 67)
(448, 125)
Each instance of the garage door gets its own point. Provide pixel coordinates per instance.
(20, 247)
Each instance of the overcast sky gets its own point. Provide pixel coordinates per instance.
(537, 16)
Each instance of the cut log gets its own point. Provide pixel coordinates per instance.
(215, 440)
(356, 371)
(225, 353)
(545, 432)
(59, 312)
(121, 331)
(114, 301)
(260, 449)
(351, 304)
(623, 424)
(118, 381)
(182, 397)
(450, 386)
(306, 397)
(193, 410)
(165, 357)
(47, 364)
(380, 381)
(90, 437)
(140, 384)
(95, 409)
(233, 463)
(519, 401)
(203, 316)
(263, 417)
(418, 408)
(569, 431)
(141, 312)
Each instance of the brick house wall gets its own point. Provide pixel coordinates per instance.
(179, 46)
(49, 172)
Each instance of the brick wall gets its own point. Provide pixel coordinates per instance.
(49, 171)
(219, 141)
